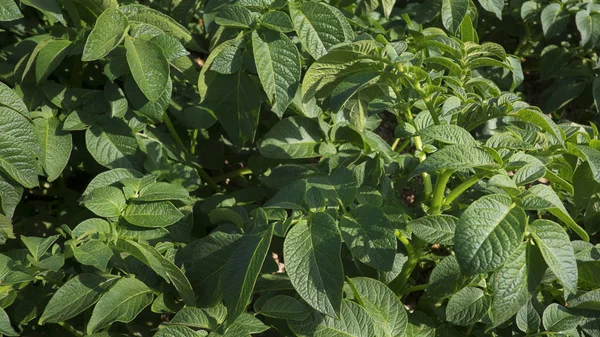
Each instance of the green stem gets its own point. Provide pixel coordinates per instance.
(237, 173)
(205, 177)
(403, 145)
(460, 189)
(438, 195)
(70, 329)
(417, 86)
(398, 285)
(432, 112)
(173, 132)
(418, 287)
(396, 141)
(427, 185)
(194, 142)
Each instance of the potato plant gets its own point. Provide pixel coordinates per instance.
(364, 168)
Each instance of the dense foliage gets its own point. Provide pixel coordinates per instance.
(365, 168)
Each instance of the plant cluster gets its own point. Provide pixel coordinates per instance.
(364, 168)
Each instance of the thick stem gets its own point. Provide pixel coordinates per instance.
(438, 195)
(460, 189)
(398, 285)
(427, 185)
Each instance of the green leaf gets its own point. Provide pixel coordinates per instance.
(108, 31)
(242, 270)
(10, 99)
(350, 86)
(6, 229)
(544, 122)
(122, 303)
(235, 16)
(162, 266)
(171, 47)
(152, 215)
(319, 26)
(110, 178)
(245, 325)
(312, 253)
(137, 13)
(154, 111)
(543, 197)
(176, 331)
(448, 134)
(445, 278)
(370, 237)
(435, 229)
(339, 187)
(513, 284)
(455, 157)
(285, 307)
(420, 325)
(38, 246)
(50, 57)
(382, 305)
(163, 191)
(93, 253)
(277, 20)
(55, 146)
(557, 318)
(467, 31)
(116, 98)
(388, 6)
(204, 261)
(192, 317)
(453, 13)
(488, 232)
(10, 273)
(278, 64)
(292, 138)
(589, 27)
(113, 145)
(325, 73)
(494, 6)
(9, 11)
(467, 306)
(227, 56)
(591, 155)
(554, 20)
(596, 92)
(353, 321)
(529, 9)
(6, 328)
(555, 246)
(90, 226)
(289, 196)
(528, 320)
(76, 295)
(106, 202)
(235, 100)
(10, 196)
(149, 67)
(18, 145)
(50, 8)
